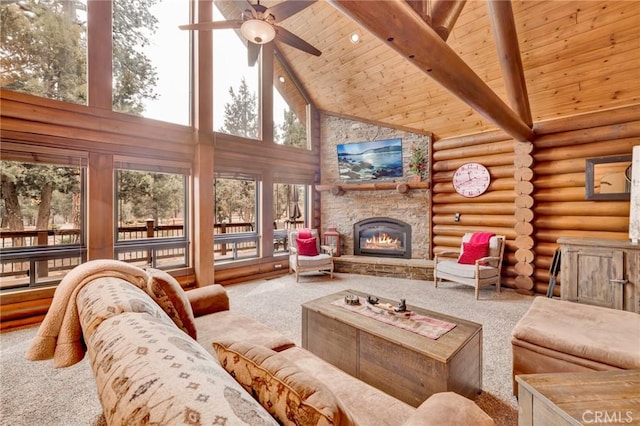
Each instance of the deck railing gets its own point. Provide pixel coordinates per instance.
(37, 257)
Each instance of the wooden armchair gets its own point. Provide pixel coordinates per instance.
(301, 260)
(479, 272)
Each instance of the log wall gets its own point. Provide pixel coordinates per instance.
(537, 192)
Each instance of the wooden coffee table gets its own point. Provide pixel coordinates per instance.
(400, 362)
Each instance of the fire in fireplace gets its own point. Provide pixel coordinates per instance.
(382, 236)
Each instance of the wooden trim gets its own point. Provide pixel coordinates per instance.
(339, 189)
(100, 53)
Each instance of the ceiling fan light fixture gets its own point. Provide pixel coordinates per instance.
(258, 31)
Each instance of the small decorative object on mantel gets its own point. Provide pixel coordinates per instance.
(351, 299)
(418, 162)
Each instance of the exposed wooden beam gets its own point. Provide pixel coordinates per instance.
(444, 14)
(396, 23)
(506, 38)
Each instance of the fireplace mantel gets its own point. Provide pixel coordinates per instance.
(401, 187)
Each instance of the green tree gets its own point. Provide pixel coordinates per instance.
(43, 52)
(241, 113)
(134, 75)
(292, 131)
(149, 195)
(28, 190)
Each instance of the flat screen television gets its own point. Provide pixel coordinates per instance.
(373, 160)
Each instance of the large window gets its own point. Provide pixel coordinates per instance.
(289, 109)
(43, 48)
(236, 233)
(151, 59)
(151, 208)
(236, 85)
(42, 212)
(289, 212)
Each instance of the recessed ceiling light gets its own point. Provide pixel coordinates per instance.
(281, 79)
(354, 37)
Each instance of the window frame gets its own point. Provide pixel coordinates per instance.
(153, 245)
(35, 255)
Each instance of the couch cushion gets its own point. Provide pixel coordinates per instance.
(151, 372)
(106, 297)
(320, 260)
(604, 335)
(292, 396)
(465, 271)
(228, 325)
(172, 298)
(451, 409)
(365, 403)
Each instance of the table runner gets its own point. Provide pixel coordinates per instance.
(420, 324)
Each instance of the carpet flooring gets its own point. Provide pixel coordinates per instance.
(36, 393)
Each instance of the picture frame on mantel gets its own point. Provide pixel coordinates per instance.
(606, 178)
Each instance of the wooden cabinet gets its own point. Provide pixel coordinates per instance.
(600, 272)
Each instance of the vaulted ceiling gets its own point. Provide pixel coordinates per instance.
(577, 57)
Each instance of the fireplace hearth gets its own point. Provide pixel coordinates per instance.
(382, 237)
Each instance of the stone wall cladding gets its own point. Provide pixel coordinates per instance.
(343, 211)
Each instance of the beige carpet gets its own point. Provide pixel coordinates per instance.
(36, 393)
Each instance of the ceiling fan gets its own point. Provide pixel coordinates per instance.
(258, 26)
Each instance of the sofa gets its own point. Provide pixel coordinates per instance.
(558, 336)
(165, 356)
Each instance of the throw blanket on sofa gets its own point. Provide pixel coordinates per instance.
(60, 334)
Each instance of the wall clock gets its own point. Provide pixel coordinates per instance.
(471, 179)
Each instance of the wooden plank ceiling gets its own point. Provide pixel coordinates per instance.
(578, 56)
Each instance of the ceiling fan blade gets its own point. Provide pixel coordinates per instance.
(217, 25)
(253, 51)
(291, 39)
(285, 9)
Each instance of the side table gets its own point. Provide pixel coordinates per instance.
(595, 397)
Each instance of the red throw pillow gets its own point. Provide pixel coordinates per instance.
(472, 252)
(307, 246)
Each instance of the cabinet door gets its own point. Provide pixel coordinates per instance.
(595, 276)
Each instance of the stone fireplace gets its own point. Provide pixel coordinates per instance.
(344, 209)
(382, 237)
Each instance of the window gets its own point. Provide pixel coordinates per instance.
(236, 89)
(151, 59)
(42, 209)
(151, 206)
(235, 232)
(289, 109)
(289, 212)
(44, 49)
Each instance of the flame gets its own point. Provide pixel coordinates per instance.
(382, 241)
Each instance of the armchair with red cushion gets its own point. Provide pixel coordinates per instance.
(306, 254)
(477, 264)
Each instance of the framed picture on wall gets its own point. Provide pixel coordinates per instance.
(374, 160)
